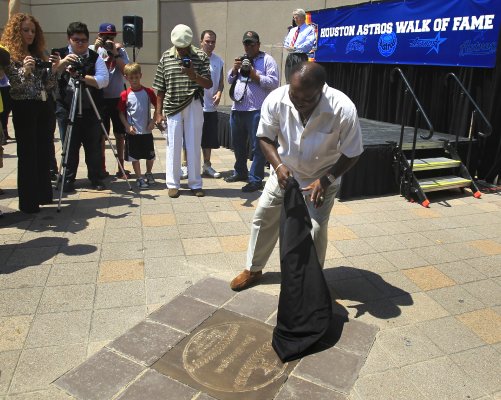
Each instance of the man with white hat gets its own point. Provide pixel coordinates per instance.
(182, 75)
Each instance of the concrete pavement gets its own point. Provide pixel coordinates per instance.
(427, 280)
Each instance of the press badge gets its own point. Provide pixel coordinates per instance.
(44, 95)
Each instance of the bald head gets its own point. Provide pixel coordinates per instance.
(306, 85)
(308, 74)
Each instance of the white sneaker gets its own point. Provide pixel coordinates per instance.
(209, 171)
(142, 184)
(184, 172)
(149, 178)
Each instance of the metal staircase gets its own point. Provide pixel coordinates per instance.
(430, 165)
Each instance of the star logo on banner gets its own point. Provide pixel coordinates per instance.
(436, 42)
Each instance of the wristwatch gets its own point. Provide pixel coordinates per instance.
(327, 180)
(331, 178)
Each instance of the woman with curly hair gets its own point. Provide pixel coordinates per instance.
(32, 79)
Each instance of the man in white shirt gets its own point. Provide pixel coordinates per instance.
(299, 41)
(319, 139)
(212, 97)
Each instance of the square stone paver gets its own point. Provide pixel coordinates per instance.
(428, 278)
(333, 368)
(455, 299)
(450, 335)
(387, 385)
(146, 342)
(155, 386)
(229, 357)
(485, 323)
(38, 368)
(489, 247)
(121, 270)
(100, 377)
(254, 304)
(13, 332)
(202, 246)
(183, 313)
(299, 389)
(440, 378)
(211, 290)
(158, 220)
(231, 244)
(483, 365)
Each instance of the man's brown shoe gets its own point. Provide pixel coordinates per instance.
(173, 193)
(245, 279)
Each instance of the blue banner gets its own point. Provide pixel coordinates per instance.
(422, 32)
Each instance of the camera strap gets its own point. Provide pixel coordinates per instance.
(232, 90)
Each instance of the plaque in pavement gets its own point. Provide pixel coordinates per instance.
(228, 356)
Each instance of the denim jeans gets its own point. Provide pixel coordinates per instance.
(244, 125)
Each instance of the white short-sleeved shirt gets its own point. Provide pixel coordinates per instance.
(333, 128)
(216, 65)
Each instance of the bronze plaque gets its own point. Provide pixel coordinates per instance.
(229, 357)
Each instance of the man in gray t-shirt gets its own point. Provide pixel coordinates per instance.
(115, 57)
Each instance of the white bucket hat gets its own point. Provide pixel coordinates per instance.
(181, 36)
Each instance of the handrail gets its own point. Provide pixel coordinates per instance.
(420, 107)
(473, 102)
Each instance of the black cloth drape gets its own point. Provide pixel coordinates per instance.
(304, 306)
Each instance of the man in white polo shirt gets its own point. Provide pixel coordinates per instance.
(319, 139)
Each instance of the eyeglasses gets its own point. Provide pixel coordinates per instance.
(79, 41)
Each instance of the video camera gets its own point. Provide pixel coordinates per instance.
(245, 69)
(79, 66)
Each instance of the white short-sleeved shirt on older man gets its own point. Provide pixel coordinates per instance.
(333, 128)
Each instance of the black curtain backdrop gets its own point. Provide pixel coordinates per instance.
(378, 98)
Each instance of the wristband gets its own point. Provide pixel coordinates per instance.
(278, 166)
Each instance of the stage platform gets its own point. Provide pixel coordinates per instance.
(373, 174)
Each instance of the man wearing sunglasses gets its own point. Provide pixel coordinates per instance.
(77, 61)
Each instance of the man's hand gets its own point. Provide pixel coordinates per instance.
(317, 193)
(254, 76)
(160, 121)
(283, 174)
(192, 74)
(237, 64)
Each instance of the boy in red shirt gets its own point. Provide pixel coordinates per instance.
(135, 106)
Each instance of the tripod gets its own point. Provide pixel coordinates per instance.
(76, 103)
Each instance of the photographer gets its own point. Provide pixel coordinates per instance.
(252, 77)
(77, 62)
(115, 57)
(182, 75)
(32, 78)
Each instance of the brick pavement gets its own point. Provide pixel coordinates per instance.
(76, 285)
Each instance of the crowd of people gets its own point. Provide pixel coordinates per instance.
(305, 130)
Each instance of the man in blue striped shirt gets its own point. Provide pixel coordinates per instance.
(252, 78)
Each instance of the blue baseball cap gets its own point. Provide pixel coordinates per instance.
(107, 29)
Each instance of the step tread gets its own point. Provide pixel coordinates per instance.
(443, 182)
(435, 163)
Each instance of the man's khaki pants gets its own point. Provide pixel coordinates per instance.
(266, 223)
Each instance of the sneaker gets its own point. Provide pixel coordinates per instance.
(209, 171)
(142, 183)
(184, 172)
(173, 193)
(149, 178)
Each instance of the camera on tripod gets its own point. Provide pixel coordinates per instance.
(41, 64)
(245, 69)
(78, 66)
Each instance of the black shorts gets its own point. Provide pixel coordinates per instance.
(109, 112)
(139, 147)
(209, 131)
